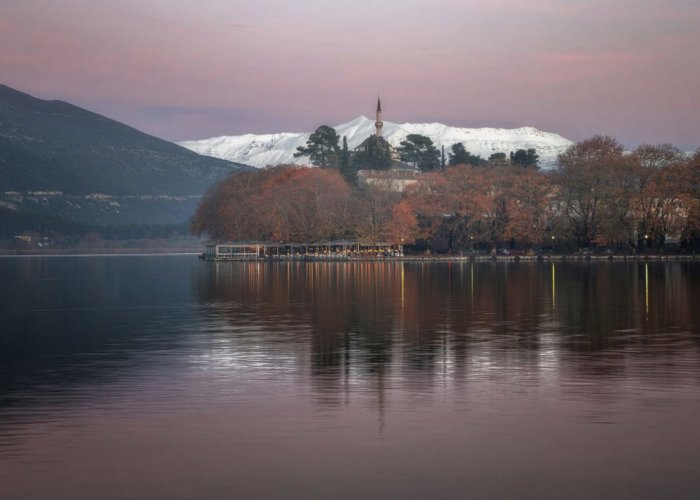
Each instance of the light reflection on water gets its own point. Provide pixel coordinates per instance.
(171, 377)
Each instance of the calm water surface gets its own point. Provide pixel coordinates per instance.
(168, 377)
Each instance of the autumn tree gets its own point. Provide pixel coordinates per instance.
(304, 204)
(659, 188)
(462, 203)
(530, 209)
(616, 227)
(402, 227)
(584, 175)
(228, 210)
(279, 204)
(691, 231)
(490, 197)
(373, 209)
(321, 147)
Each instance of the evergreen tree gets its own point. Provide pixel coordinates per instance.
(524, 158)
(346, 168)
(497, 158)
(442, 157)
(321, 147)
(420, 152)
(375, 156)
(460, 156)
(344, 154)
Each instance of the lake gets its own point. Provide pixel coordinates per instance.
(170, 377)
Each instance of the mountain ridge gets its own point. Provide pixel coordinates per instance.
(260, 150)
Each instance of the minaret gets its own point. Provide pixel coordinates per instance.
(379, 123)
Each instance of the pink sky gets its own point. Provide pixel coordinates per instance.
(191, 69)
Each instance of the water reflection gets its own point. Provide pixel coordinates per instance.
(422, 324)
(67, 321)
(299, 357)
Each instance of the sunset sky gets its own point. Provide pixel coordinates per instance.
(186, 69)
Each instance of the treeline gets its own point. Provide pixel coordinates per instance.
(599, 194)
(324, 150)
(297, 204)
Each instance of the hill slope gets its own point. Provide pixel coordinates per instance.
(271, 149)
(59, 158)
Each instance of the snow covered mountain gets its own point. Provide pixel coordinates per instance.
(272, 149)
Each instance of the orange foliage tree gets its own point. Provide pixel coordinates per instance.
(661, 199)
(280, 203)
(589, 179)
(403, 225)
(530, 208)
(493, 205)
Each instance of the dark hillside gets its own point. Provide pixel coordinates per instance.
(65, 160)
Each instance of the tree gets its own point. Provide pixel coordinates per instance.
(375, 154)
(287, 203)
(403, 225)
(321, 147)
(529, 212)
(460, 156)
(372, 212)
(524, 158)
(346, 169)
(661, 181)
(691, 231)
(497, 159)
(586, 173)
(462, 204)
(420, 152)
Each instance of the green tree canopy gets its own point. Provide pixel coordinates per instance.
(460, 156)
(347, 169)
(525, 158)
(419, 151)
(321, 147)
(375, 154)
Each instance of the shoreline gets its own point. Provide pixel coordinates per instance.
(557, 257)
(77, 252)
(475, 258)
(48, 252)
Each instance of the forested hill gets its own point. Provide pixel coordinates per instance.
(76, 164)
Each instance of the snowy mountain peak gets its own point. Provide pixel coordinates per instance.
(272, 149)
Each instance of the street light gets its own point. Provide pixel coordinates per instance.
(554, 248)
